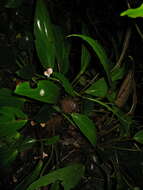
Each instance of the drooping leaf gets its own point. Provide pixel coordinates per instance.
(133, 13)
(65, 83)
(46, 91)
(86, 126)
(62, 50)
(30, 178)
(44, 36)
(11, 120)
(69, 176)
(139, 137)
(98, 88)
(8, 99)
(99, 51)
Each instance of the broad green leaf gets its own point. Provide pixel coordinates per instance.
(30, 178)
(13, 3)
(62, 50)
(44, 36)
(46, 91)
(65, 83)
(8, 99)
(133, 13)
(86, 126)
(139, 137)
(98, 88)
(70, 176)
(11, 120)
(99, 51)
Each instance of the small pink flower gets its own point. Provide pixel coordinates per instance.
(48, 72)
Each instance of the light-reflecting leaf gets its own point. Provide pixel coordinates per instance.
(46, 91)
(133, 13)
(98, 88)
(139, 137)
(44, 36)
(86, 126)
(65, 83)
(99, 51)
(69, 176)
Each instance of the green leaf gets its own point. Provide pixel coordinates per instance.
(133, 13)
(139, 137)
(13, 3)
(69, 176)
(30, 178)
(66, 84)
(99, 88)
(62, 50)
(86, 126)
(46, 91)
(98, 49)
(8, 99)
(117, 74)
(11, 120)
(85, 55)
(44, 36)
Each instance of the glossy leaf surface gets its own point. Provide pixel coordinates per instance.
(134, 13)
(69, 176)
(44, 36)
(46, 91)
(86, 126)
(98, 88)
(98, 49)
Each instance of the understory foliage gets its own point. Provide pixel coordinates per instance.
(70, 95)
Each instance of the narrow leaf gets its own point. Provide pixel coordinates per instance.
(86, 126)
(98, 49)
(44, 36)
